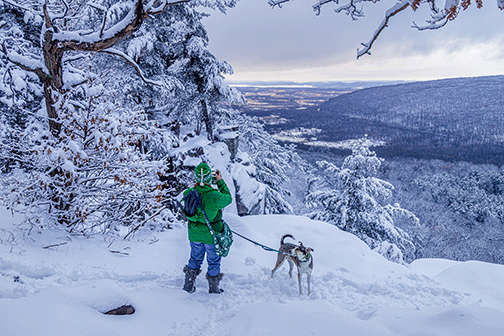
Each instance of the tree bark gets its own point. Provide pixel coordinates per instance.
(54, 49)
(206, 119)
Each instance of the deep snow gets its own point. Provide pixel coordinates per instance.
(63, 290)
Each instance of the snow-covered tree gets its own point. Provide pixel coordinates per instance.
(62, 32)
(172, 48)
(357, 202)
(463, 207)
(76, 160)
(460, 206)
(280, 168)
(439, 15)
(77, 144)
(95, 176)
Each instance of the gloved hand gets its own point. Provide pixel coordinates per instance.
(217, 175)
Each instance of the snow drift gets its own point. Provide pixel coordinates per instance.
(66, 288)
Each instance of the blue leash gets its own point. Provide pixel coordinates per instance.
(269, 249)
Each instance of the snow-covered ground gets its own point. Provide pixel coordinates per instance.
(63, 290)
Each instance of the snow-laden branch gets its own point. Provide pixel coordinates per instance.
(12, 3)
(100, 40)
(28, 64)
(351, 10)
(133, 63)
(439, 17)
(431, 26)
(397, 8)
(157, 6)
(317, 7)
(278, 3)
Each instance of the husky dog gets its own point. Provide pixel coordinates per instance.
(298, 255)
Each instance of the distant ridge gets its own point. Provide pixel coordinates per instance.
(350, 85)
(459, 119)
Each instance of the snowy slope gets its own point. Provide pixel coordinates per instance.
(62, 290)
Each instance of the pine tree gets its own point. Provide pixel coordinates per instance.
(355, 201)
(279, 167)
(172, 49)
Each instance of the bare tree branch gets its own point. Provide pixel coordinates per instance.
(162, 6)
(54, 245)
(317, 7)
(133, 63)
(397, 8)
(145, 221)
(104, 10)
(278, 3)
(64, 14)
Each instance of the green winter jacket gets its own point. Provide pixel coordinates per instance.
(213, 201)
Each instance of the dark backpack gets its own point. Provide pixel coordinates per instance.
(192, 201)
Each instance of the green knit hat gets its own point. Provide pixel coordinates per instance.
(203, 173)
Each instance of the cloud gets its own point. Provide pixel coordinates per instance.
(292, 42)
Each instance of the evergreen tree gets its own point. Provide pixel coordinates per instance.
(280, 168)
(357, 202)
(171, 49)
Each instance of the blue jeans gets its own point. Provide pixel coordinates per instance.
(198, 254)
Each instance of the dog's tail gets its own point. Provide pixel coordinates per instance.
(285, 236)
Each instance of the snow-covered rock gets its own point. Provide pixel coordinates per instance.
(250, 194)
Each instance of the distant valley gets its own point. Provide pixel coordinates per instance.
(454, 119)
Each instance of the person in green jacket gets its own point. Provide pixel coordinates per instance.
(200, 238)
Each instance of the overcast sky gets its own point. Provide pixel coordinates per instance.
(292, 43)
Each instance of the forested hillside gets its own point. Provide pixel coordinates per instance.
(454, 119)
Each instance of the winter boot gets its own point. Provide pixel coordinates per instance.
(190, 278)
(213, 283)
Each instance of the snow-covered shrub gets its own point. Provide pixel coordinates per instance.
(95, 175)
